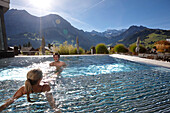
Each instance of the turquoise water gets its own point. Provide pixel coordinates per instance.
(90, 84)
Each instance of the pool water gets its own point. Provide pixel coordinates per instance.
(90, 84)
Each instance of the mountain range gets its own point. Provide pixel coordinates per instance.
(22, 27)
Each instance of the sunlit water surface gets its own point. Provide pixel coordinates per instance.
(89, 84)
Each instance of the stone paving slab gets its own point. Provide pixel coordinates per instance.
(142, 60)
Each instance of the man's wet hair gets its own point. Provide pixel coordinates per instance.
(56, 54)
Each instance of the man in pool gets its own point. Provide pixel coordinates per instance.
(32, 85)
(58, 64)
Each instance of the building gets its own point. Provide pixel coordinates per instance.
(4, 6)
(28, 51)
(162, 46)
(168, 40)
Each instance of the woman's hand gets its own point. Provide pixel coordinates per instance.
(7, 103)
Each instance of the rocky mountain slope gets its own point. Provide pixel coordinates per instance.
(22, 27)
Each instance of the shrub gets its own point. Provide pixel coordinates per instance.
(88, 52)
(111, 51)
(65, 49)
(81, 50)
(21, 52)
(101, 49)
(47, 52)
(132, 48)
(37, 53)
(71, 49)
(142, 49)
(120, 48)
(55, 49)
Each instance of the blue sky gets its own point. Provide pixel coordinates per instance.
(101, 15)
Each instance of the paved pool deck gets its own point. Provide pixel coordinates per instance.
(142, 60)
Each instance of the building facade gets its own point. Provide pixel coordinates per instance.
(4, 6)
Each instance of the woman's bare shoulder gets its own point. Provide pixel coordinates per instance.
(46, 87)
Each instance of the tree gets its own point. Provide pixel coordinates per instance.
(29, 44)
(19, 46)
(40, 50)
(77, 44)
(72, 41)
(49, 46)
(93, 50)
(25, 45)
(101, 49)
(43, 46)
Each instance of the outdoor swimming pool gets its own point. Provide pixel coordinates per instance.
(90, 84)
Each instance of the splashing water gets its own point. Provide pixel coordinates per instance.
(90, 84)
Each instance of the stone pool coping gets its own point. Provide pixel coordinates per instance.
(142, 60)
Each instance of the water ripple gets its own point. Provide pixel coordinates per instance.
(111, 85)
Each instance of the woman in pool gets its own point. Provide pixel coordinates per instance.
(32, 85)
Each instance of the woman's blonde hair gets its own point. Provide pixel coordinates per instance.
(33, 76)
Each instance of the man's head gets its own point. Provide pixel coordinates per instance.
(56, 57)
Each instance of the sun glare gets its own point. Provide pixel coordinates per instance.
(40, 4)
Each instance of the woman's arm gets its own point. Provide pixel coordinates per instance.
(52, 102)
(46, 87)
(17, 95)
(7, 103)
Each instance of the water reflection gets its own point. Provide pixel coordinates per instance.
(91, 84)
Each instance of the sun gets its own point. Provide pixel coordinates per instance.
(40, 4)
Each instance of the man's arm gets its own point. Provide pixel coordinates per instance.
(64, 64)
(51, 64)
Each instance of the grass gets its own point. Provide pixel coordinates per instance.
(152, 38)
